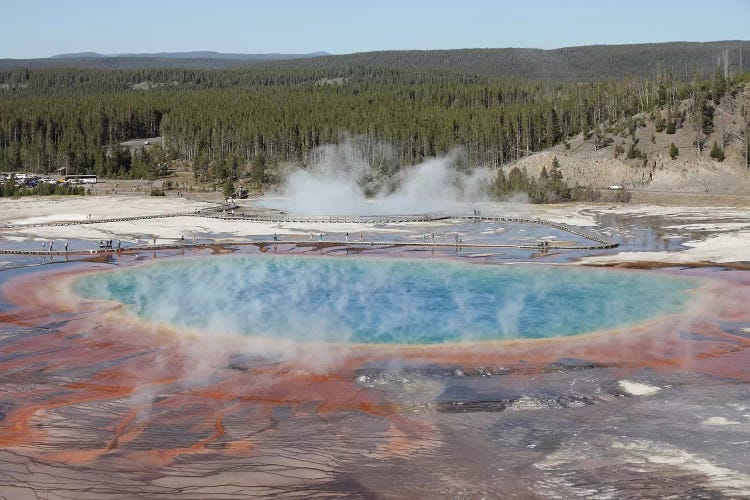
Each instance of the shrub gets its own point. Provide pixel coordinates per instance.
(634, 152)
(716, 152)
(660, 124)
(673, 151)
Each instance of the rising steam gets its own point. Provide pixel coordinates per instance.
(360, 300)
(345, 179)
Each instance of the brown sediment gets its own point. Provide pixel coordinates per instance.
(129, 382)
(108, 360)
(645, 264)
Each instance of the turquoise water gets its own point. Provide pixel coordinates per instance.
(386, 301)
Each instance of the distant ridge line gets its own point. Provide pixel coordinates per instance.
(197, 54)
(590, 62)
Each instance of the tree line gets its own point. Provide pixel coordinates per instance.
(399, 118)
(587, 63)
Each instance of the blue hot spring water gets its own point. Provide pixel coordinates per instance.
(386, 301)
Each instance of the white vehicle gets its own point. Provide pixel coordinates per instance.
(615, 187)
(80, 179)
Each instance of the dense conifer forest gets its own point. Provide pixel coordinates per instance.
(592, 62)
(249, 120)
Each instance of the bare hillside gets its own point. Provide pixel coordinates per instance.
(602, 159)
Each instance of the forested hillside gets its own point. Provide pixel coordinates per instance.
(598, 62)
(226, 123)
(65, 81)
(595, 62)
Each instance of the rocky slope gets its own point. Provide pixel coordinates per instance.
(585, 163)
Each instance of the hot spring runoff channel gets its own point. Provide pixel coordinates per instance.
(386, 301)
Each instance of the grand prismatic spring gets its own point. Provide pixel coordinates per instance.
(385, 301)
(452, 358)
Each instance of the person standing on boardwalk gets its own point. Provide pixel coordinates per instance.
(66, 245)
(346, 237)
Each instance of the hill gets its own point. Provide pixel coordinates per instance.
(636, 153)
(76, 55)
(595, 62)
(177, 60)
(250, 123)
(195, 55)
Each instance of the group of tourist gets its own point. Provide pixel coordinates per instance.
(109, 244)
(320, 237)
(51, 247)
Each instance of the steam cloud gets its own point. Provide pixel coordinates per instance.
(343, 176)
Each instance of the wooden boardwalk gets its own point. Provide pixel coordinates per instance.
(303, 243)
(603, 243)
(600, 243)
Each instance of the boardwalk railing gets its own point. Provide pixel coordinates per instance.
(224, 214)
(562, 227)
(334, 219)
(269, 243)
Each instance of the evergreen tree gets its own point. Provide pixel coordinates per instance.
(258, 170)
(9, 189)
(716, 152)
(660, 123)
(500, 187)
(707, 117)
(518, 181)
(555, 163)
(633, 152)
(718, 86)
(228, 190)
(543, 175)
(201, 166)
(673, 151)
(559, 189)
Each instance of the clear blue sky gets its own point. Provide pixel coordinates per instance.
(40, 28)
